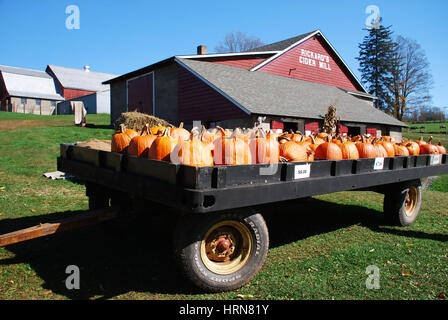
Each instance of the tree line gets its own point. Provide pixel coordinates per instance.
(396, 71)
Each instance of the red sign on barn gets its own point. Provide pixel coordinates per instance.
(315, 61)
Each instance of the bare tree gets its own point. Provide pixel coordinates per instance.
(238, 42)
(411, 78)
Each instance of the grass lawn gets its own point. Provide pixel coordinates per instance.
(428, 127)
(319, 248)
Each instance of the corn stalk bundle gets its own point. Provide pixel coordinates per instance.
(330, 121)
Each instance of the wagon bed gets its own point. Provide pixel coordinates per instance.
(209, 189)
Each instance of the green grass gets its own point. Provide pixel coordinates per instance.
(98, 119)
(443, 138)
(441, 184)
(432, 126)
(319, 248)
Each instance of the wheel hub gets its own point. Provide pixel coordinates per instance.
(411, 201)
(220, 247)
(226, 247)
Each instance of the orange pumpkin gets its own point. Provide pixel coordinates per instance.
(155, 130)
(413, 147)
(318, 139)
(349, 150)
(380, 150)
(388, 147)
(296, 137)
(241, 152)
(180, 133)
(162, 146)
(401, 150)
(421, 141)
(365, 149)
(328, 151)
(195, 151)
(294, 152)
(140, 145)
(389, 139)
(283, 138)
(233, 150)
(313, 145)
(338, 140)
(429, 148)
(264, 148)
(237, 133)
(441, 148)
(121, 139)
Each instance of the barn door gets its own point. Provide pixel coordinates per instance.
(140, 93)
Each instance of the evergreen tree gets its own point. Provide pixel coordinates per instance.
(376, 61)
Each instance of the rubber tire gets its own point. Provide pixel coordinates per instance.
(394, 204)
(188, 235)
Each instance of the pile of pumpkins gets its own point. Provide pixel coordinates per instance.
(218, 146)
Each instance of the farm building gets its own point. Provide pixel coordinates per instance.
(287, 85)
(51, 91)
(81, 85)
(27, 91)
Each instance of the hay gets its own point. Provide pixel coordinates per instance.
(136, 121)
(104, 145)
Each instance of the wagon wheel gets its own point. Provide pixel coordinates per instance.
(402, 203)
(221, 251)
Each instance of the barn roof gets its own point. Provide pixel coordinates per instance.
(264, 93)
(71, 78)
(29, 83)
(282, 45)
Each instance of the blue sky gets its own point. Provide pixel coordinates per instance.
(121, 36)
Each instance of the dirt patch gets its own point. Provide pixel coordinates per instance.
(21, 124)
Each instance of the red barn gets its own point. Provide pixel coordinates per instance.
(287, 85)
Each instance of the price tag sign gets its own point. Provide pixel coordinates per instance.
(302, 171)
(436, 159)
(378, 164)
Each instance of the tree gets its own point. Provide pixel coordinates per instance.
(238, 42)
(376, 63)
(411, 78)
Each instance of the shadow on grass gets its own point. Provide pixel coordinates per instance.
(134, 254)
(99, 126)
(412, 234)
